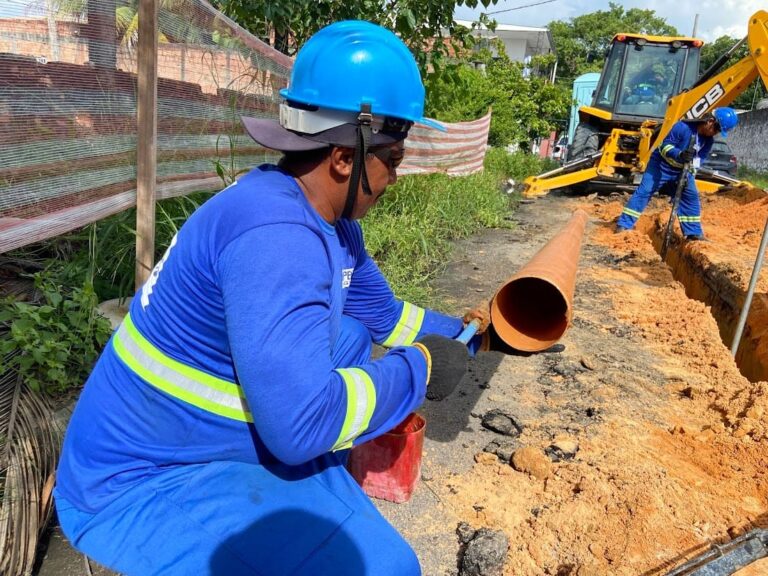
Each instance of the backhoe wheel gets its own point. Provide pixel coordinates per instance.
(585, 142)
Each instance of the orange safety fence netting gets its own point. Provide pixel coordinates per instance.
(68, 93)
(68, 76)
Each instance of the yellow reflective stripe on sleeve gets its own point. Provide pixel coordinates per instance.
(673, 163)
(408, 326)
(179, 380)
(630, 212)
(664, 151)
(361, 402)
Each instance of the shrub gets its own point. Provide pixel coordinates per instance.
(52, 344)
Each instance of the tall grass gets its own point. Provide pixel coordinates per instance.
(104, 253)
(759, 179)
(409, 233)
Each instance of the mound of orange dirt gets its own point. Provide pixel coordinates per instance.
(642, 444)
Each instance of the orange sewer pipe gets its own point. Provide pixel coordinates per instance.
(532, 310)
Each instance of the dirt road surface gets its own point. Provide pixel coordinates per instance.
(644, 444)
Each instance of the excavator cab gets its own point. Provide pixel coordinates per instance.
(640, 75)
(643, 72)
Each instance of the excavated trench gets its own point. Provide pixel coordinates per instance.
(714, 285)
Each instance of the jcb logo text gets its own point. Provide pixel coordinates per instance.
(705, 102)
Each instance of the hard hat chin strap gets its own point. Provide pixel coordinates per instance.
(362, 141)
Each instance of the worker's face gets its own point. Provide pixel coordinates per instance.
(381, 164)
(709, 128)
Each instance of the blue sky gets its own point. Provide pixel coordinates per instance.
(716, 17)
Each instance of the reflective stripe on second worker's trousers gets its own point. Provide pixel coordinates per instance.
(179, 380)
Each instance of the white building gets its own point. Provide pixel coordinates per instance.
(520, 42)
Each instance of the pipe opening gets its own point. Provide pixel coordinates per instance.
(530, 314)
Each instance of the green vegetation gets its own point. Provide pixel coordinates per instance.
(709, 55)
(759, 179)
(409, 232)
(53, 343)
(53, 338)
(418, 22)
(582, 42)
(523, 108)
(106, 250)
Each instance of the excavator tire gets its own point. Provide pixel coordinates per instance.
(585, 142)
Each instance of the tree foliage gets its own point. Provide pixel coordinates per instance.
(711, 52)
(287, 25)
(523, 107)
(582, 42)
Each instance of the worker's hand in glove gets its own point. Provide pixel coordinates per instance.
(446, 364)
(686, 156)
(481, 313)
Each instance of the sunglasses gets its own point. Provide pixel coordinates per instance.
(392, 157)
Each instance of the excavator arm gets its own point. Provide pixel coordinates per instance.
(714, 89)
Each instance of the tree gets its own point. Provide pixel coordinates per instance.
(711, 52)
(583, 42)
(427, 26)
(523, 108)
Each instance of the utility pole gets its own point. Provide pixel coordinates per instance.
(695, 25)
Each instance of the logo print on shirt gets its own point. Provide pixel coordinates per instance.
(346, 277)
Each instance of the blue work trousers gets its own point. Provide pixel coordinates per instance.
(230, 518)
(660, 177)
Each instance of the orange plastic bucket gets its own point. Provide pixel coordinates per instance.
(389, 466)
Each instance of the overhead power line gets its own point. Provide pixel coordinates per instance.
(519, 7)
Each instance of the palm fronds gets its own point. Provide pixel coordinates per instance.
(29, 447)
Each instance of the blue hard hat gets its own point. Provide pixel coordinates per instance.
(644, 90)
(349, 64)
(726, 118)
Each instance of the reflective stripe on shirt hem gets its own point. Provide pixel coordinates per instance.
(181, 381)
(407, 328)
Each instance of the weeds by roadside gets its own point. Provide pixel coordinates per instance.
(409, 232)
(52, 343)
(759, 179)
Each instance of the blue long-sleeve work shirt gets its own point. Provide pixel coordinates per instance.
(250, 296)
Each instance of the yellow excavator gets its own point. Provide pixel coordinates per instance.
(647, 84)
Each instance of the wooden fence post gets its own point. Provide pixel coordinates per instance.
(146, 150)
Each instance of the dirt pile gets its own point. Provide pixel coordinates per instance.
(665, 440)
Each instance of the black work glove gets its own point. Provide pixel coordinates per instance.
(448, 359)
(686, 156)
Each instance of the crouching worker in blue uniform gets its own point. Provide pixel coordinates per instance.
(665, 166)
(211, 437)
